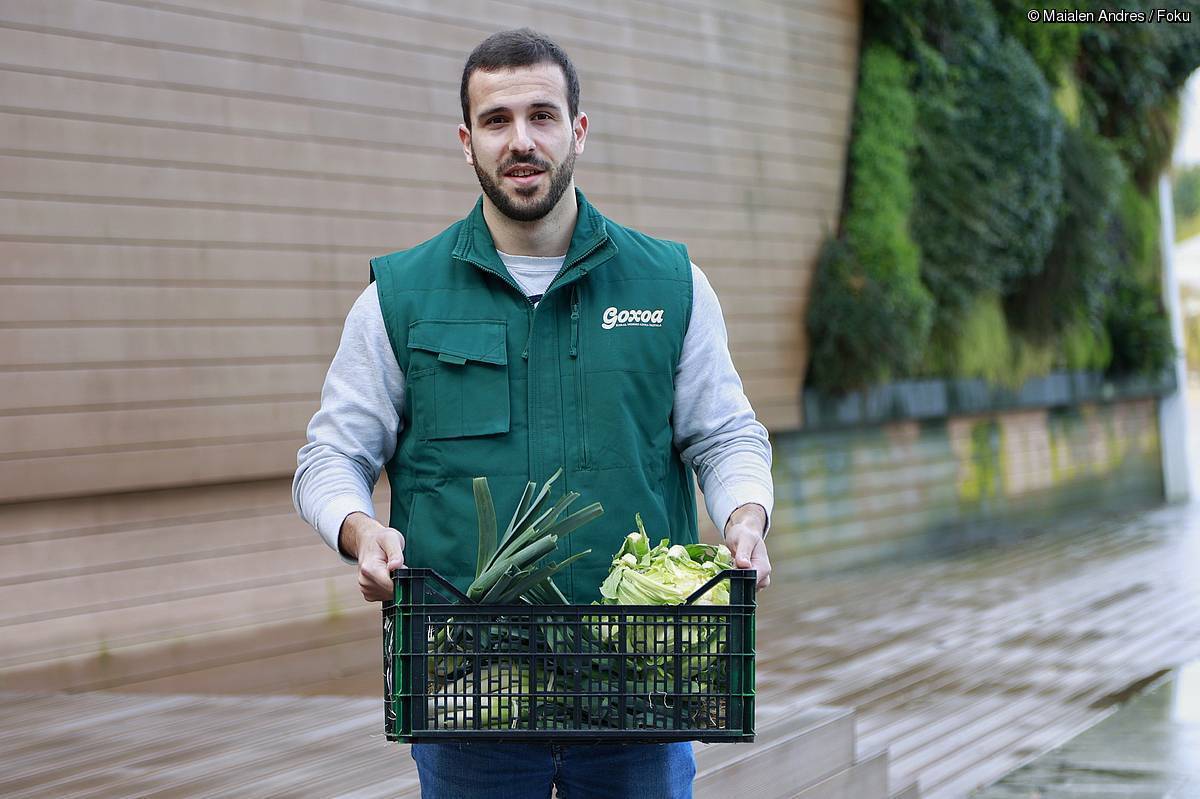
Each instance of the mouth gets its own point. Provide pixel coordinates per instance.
(524, 175)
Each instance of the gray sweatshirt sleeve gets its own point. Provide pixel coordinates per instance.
(353, 434)
(715, 427)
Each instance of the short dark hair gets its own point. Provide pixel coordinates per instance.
(520, 47)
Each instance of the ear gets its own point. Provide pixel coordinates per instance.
(580, 131)
(464, 136)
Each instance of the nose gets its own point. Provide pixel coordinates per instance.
(521, 141)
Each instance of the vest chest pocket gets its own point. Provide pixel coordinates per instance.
(458, 377)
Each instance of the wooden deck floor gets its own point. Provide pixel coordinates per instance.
(964, 667)
(967, 667)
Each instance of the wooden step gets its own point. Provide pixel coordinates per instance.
(865, 779)
(792, 748)
(800, 749)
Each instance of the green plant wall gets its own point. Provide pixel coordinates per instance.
(870, 313)
(1000, 217)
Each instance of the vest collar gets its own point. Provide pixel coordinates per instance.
(590, 245)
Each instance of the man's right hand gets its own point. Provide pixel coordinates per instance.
(378, 550)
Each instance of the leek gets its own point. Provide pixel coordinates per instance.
(508, 570)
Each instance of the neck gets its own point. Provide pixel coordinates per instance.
(549, 236)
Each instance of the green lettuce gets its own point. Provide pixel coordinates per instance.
(665, 574)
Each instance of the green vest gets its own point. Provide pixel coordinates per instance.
(500, 389)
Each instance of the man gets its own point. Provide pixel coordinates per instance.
(533, 334)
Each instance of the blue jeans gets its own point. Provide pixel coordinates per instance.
(578, 771)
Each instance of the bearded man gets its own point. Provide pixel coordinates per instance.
(531, 335)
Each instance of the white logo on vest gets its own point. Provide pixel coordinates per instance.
(634, 318)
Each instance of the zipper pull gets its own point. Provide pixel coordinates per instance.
(574, 320)
(528, 338)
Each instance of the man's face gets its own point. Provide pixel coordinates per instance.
(522, 142)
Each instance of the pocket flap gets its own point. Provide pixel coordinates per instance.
(459, 340)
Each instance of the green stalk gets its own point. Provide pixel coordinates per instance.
(523, 585)
(537, 503)
(522, 508)
(576, 520)
(530, 554)
(485, 511)
(502, 586)
(534, 530)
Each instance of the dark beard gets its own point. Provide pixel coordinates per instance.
(560, 179)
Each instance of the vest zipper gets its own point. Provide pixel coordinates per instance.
(533, 464)
(529, 332)
(532, 308)
(580, 392)
(574, 320)
(528, 302)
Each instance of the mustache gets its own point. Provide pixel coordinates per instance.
(532, 161)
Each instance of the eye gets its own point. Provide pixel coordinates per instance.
(540, 115)
(494, 120)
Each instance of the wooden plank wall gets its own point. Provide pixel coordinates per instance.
(191, 191)
(131, 588)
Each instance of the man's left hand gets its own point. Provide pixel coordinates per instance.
(744, 537)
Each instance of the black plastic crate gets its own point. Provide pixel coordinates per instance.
(458, 670)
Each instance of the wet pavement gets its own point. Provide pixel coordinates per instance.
(1148, 749)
